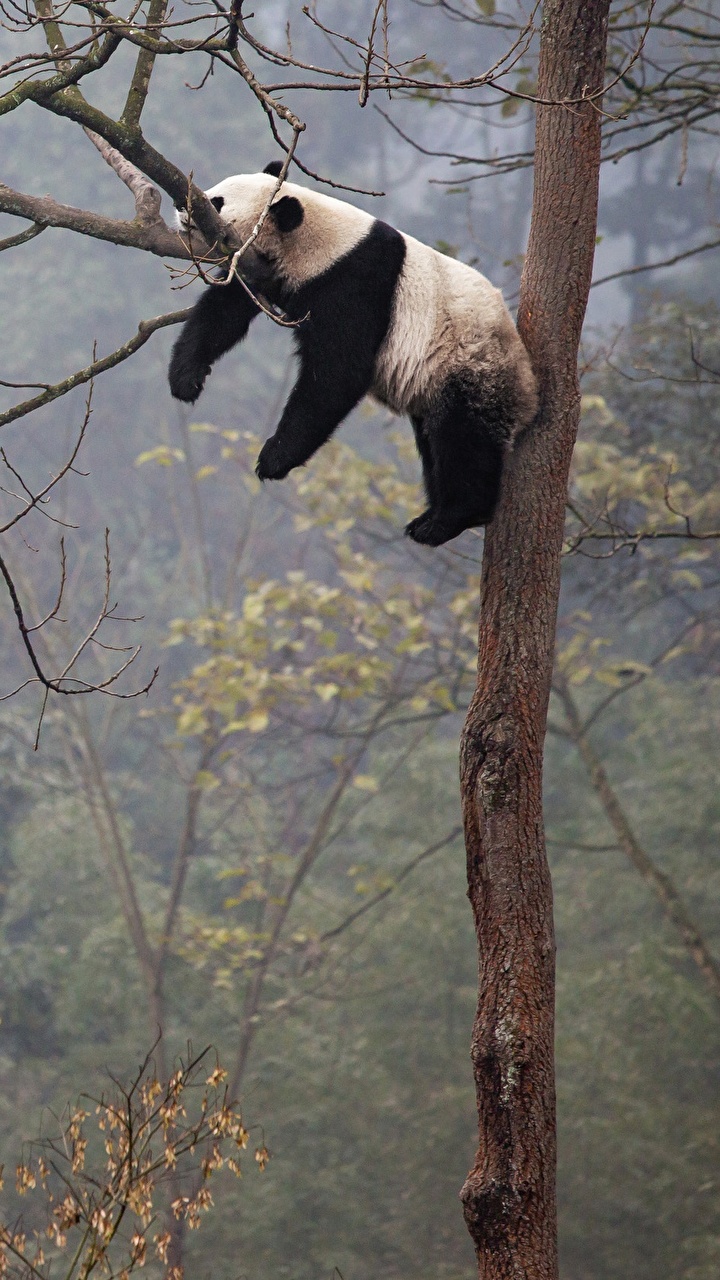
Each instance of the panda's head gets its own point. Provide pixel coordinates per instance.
(304, 231)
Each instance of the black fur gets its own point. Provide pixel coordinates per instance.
(288, 213)
(219, 320)
(221, 317)
(274, 168)
(461, 440)
(344, 315)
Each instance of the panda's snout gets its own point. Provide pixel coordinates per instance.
(185, 223)
(182, 221)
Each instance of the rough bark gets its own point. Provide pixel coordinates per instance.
(509, 1195)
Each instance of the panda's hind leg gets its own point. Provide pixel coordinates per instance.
(422, 442)
(462, 466)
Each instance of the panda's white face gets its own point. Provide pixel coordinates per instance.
(241, 200)
(329, 228)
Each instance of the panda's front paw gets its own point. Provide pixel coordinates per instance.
(274, 462)
(187, 381)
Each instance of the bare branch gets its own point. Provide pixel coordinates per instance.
(655, 266)
(140, 84)
(59, 683)
(673, 906)
(384, 893)
(147, 197)
(33, 499)
(155, 238)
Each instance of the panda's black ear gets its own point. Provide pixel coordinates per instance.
(287, 213)
(273, 168)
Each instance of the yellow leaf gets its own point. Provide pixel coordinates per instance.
(358, 581)
(327, 691)
(365, 782)
(253, 608)
(257, 721)
(206, 780)
(580, 674)
(162, 454)
(235, 726)
(191, 720)
(207, 470)
(620, 672)
(686, 577)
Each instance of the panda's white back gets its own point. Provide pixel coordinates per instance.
(446, 316)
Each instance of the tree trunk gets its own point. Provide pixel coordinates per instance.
(509, 1195)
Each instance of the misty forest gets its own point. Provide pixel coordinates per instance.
(238, 964)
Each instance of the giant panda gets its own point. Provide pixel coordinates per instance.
(378, 313)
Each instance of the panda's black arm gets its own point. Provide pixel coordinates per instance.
(343, 320)
(220, 319)
(333, 378)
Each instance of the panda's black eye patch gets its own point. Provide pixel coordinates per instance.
(287, 213)
(217, 202)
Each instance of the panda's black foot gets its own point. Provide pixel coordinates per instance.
(433, 528)
(274, 462)
(187, 381)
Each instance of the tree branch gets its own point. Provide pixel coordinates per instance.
(22, 237)
(385, 893)
(147, 197)
(155, 238)
(656, 266)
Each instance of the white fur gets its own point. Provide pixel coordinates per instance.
(447, 317)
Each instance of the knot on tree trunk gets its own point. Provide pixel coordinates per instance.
(488, 759)
(489, 1205)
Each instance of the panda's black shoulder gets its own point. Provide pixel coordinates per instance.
(380, 254)
(355, 294)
